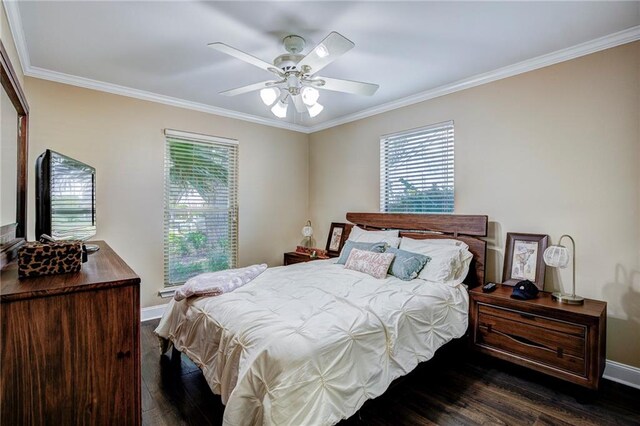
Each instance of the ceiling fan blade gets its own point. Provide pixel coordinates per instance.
(328, 50)
(246, 89)
(297, 101)
(239, 54)
(347, 86)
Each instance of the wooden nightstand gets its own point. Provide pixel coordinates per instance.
(294, 257)
(561, 340)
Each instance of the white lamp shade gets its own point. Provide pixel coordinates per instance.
(307, 231)
(556, 256)
(310, 96)
(269, 95)
(315, 110)
(279, 109)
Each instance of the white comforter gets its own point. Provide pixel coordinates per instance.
(308, 344)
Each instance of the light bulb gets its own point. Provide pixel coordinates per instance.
(310, 96)
(280, 109)
(314, 110)
(269, 95)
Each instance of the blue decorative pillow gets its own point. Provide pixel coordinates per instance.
(348, 245)
(406, 265)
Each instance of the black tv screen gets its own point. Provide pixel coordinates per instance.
(65, 197)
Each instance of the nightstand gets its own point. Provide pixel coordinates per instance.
(564, 341)
(294, 257)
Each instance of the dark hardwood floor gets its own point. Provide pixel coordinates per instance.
(454, 388)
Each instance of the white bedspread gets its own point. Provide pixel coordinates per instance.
(308, 344)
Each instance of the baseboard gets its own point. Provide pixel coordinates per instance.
(152, 312)
(614, 371)
(622, 373)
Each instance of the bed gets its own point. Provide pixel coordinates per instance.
(309, 343)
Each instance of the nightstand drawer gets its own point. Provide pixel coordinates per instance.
(543, 340)
(530, 349)
(535, 320)
(294, 257)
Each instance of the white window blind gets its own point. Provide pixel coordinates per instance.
(416, 170)
(201, 205)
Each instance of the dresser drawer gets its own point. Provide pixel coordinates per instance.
(535, 320)
(530, 350)
(554, 343)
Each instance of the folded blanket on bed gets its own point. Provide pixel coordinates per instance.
(217, 283)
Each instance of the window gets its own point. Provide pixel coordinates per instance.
(416, 170)
(201, 205)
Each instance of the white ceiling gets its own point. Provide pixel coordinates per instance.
(405, 47)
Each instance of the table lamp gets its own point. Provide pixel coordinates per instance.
(307, 232)
(557, 256)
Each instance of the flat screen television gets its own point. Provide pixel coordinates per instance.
(65, 197)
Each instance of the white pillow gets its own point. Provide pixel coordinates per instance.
(449, 263)
(361, 236)
(441, 241)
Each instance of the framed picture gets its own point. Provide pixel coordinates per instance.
(523, 259)
(336, 238)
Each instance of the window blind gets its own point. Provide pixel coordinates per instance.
(201, 205)
(416, 170)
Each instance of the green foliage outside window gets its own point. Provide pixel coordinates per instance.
(198, 213)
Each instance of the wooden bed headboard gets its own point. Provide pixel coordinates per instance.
(466, 228)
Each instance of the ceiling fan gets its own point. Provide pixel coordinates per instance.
(295, 75)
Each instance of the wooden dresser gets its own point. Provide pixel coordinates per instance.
(70, 346)
(565, 341)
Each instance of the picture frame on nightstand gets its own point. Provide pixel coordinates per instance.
(337, 237)
(523, 259)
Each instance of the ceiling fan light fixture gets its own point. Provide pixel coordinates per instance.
(269, 95)
(297, 80)
(280, 109)
(315, 109)
(310, 96)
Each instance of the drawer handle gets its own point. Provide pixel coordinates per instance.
(524, 341)
(521, 340)
(528, 316)
(121, 354)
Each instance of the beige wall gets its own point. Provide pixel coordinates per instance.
(551, 151)
(122, 138)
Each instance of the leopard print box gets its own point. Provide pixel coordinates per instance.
(35, 259)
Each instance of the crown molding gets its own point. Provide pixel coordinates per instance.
(115, 89)
(15, 26)
(612, 40)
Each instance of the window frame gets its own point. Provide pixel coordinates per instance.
(171, 135)
(447, 156)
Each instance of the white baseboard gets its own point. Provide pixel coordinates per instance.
(622, 373)
(152, 312)
(614, 371)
